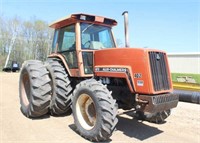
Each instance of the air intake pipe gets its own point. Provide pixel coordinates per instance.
(125, 13)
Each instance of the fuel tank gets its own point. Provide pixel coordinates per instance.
(146, 69)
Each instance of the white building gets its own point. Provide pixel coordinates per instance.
(184, 62)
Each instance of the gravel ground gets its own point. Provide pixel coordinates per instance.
(182, 126)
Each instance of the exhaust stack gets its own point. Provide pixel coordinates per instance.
(125, 13)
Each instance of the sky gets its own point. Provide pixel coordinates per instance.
(169, 25)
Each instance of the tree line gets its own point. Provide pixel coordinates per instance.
(24, 40)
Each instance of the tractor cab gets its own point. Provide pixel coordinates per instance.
(76, 38)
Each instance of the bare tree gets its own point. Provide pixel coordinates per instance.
(13, 32)
(22, 40)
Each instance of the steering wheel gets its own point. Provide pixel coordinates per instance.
(87, 44)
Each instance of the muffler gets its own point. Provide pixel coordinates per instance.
(125, 13)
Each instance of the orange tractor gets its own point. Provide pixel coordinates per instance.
(87, 75)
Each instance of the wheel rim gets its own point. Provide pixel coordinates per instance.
(25, 89)
(86, 111)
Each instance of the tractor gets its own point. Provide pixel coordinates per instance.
(87, 75)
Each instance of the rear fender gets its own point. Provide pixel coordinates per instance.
(71, 72)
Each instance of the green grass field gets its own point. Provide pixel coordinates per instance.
(194, 76)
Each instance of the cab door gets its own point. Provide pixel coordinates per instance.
(67, 45)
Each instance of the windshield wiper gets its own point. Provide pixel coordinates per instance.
(87, 27)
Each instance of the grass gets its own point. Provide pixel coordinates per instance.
(194, 76)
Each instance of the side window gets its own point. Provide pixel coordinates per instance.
(66, 39)
(88, 62)
(67, 45)
(55, 39)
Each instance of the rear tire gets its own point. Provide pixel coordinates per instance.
(61, 88)
(34, 89)
(156, 118)
(94, 110)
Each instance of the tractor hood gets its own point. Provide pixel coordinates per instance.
(145, 67)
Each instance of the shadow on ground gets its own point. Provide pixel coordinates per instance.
(132, 128)
(73, 127)
(136, 129)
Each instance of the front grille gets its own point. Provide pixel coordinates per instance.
(159, 71)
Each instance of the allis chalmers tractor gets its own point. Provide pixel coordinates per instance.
(88, 75)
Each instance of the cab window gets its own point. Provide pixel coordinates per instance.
(66, 39)
(96, 37)
(55, 39)
(67, 45)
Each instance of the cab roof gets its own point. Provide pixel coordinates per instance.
(81, 17)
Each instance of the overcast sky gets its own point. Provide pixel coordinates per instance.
(170, 25)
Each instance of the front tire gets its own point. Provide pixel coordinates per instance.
(34, 89)
(94, 110)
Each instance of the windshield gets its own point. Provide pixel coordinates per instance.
(96, 37)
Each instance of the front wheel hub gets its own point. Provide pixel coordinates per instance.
(86, 111)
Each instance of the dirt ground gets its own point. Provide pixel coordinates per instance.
(182, 126)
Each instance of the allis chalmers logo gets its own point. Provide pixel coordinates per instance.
(111, 69)
(158, 57)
